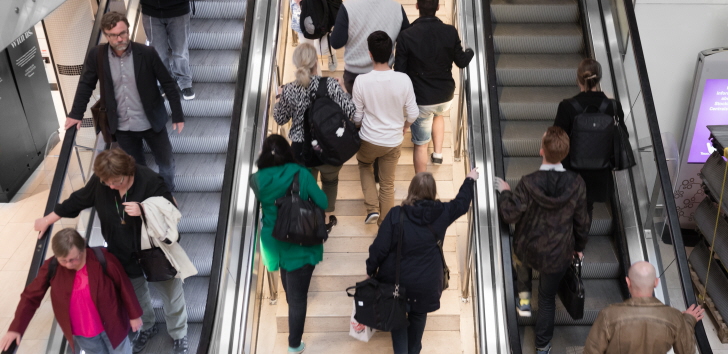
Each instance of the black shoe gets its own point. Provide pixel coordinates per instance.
(180, 346)
(188, 93)
(436, 160)
(331, 224)
(143, 338)
(371, 218)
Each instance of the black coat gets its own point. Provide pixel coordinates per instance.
(165, 8)
(421, 265)
(148, 69)
(598, 182)
(426, 51)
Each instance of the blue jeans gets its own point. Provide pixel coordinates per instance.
(169, 36)
(132, 143)
(101, 345)
(409, 340)
(422, 127)
(296, 283)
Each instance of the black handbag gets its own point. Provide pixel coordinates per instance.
(299, 221)
(623, 157)
(382, 306)
(154, 263)
(571, 290)
(445, 268)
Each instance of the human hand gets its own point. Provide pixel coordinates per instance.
(473, 174)
(178, 127)
(71, 122)
(501, 185)
(580, 255)
(136, 324)
(41, 225)
(8, 339)
(695, 311)
(132, 208)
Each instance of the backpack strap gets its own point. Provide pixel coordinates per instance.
(576, 105)
(605, 104)
(323, 87)
(52, 267)
(100, 257)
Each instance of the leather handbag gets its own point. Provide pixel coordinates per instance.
(623, 157)
(154, 263)
(299, 221)
(571, 290)
(382, 306)
(98, 110)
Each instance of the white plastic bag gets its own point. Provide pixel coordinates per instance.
(358, 330)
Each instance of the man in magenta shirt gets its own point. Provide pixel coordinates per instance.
(81, 287)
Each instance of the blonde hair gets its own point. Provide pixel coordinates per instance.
(304, 58)
(422, 187)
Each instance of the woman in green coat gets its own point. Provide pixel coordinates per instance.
(276, 169)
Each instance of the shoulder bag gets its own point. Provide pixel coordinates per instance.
(445, 268)
(623, 157)
(571, 290)
(382, 306)
(154, 263)
(98, 110)
(299, 221)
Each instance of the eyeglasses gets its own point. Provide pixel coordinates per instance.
(115, 184)
(73, 260)
(114, 35)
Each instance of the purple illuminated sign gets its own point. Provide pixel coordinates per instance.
(713, 111)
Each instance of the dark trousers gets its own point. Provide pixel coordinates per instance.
(523, 276)
(409, 340)
(296, 283)
(133, 144)
(548, 286)
(349, 78)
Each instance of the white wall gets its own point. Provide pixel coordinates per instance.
(673, 32)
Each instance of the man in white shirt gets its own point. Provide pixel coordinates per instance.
(381, 97)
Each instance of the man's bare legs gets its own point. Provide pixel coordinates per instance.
(420, 157)
(438, 133)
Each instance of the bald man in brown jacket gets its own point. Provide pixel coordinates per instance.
(643, 324)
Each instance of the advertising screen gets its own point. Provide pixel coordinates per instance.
(713, 111)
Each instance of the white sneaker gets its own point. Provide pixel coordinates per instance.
(371, 218)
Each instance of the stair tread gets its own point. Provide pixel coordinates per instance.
(214, 57)
(195, 292)
(433, 342)
(536, 94)
(523, 138)
(199, 247)
(212, 91)
(445, 190)
(406, 154)
(354, 263)
(195, 164)
(537, 30)
(196, 204)
(209, 26)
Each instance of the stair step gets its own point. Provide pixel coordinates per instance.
(354, 226)
(535, 11)
(196, 172)
(195, 292)
(219, 9)
(405, 169)
(214, 34)
(199, 211)
(343, 244)
(706, 222)
(532, 103)
(537, 69)
(214, 65)
(212, 100)
(445, 190)
(598, 294)
(330, 311)
(433, 342)
(199, 247)
(522, 139)
(717, 283)
(538, 38)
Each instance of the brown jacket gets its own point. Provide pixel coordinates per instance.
(641, 326)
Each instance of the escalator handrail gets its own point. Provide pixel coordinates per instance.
(227, 187)
(663, 174)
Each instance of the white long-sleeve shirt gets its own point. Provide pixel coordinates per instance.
(384, 100)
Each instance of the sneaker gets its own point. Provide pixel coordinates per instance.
(333, 62)
(371, 218)
(544, 350)
(436, 160)
(188, 93)
(298, 350)
(143, 338)
(331, 224)
(161, 90)
(180, 346)
(523, 306)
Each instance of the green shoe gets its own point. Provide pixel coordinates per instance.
(298, 350)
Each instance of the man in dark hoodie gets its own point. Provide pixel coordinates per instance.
(167, 26)
(552, 224)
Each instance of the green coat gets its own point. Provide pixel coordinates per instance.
(270, 184)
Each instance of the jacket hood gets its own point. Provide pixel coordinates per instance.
(275, 179)
(552, 189)
(424, 212)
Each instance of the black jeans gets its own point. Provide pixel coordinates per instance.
(296, 283)
(409, 340)
(132, 144)
(548, 286)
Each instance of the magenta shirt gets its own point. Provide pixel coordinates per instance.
(85, 319)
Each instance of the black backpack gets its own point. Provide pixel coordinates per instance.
(53, 265)
(318, 17)
(592, 137)
(326, 123)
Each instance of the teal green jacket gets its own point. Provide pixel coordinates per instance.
(270, 184)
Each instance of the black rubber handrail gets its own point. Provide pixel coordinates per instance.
(673, 221)
(208, 321)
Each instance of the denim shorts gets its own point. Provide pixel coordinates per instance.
(422, 127)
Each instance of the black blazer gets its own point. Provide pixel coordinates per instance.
(148, 69)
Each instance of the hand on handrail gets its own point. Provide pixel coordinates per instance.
(473, 174)
(8, 339)
(42, 224)
(501, 185)
(71, 122)
(695, 311)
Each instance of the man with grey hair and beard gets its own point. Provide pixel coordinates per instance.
(643, 324)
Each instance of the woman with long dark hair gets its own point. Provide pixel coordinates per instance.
(276, 169)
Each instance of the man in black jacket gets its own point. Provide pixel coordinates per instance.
(167, 26)
(426, 52)
(134, 106)
(552, 224)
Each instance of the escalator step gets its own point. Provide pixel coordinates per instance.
(718, 283)
(532, 103)
(705, 219)
(199, 211)
(216, 34)
(599, 293)
(199, 247)
(195, 289)
(522, 139)
(536, 69)
(214, 66)
(534, 11)
(212, 100)
(219, 9)
(567, 339)
(196, 172)
(538, 38)
(162, 343)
